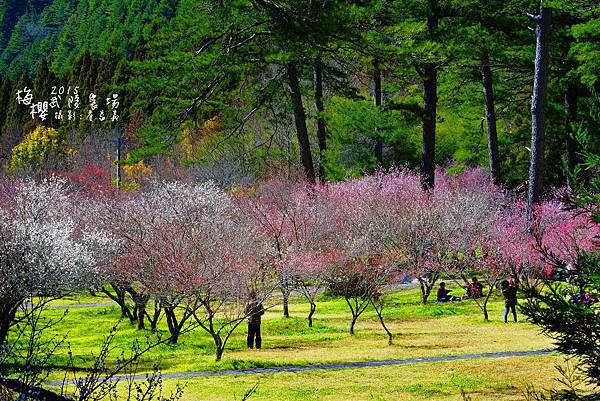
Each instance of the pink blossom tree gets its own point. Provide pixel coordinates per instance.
(401, 220)
(272, 208)
(470, 207)
(294, 222)
(484, 261)
(190, 248)
(364, 215)
(123, 215)
(516, 244)
(93, 184)
(346, 202)
(307, 232)
(551, 241)
(224, 259)
(561, 236)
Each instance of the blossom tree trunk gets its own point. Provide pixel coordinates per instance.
(426, 284)
(119, 298)
(286, 301)
(8, 310)
(378, 305)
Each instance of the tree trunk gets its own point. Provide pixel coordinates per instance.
(154, 319)
(423, 292)
(426, 287)
(360, 305)
(4, 327)
(379, 310)
(219, 347)
(172, 325)
(429, 126)
(490, 117)
(141, 316)
(429, 108)
(119, 298)
(139, 312)
(219, 354)
(286, 301)
(300, 121)
(8, 310)
(487, 299)
(313, 307)
(377, 96)
(538, 108)
(321, 129)
(570, 118)
(354, 318)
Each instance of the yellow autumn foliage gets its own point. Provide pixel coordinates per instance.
(193, 141)
(41, 148)
(136, 174)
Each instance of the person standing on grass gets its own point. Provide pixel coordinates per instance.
(254, 310)
(510, 299)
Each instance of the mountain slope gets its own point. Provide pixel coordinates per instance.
(61, 30)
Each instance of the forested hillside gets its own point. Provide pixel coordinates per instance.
(237, 89)
(62, 29)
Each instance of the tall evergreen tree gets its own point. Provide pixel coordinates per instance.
(5, 98)
(18, 118)
(43, 81)
(539, 106)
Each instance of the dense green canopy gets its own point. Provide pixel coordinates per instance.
(233, 84)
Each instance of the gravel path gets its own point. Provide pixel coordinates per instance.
(337, 366)
(82, 306)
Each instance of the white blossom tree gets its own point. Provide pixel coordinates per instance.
(45, 251)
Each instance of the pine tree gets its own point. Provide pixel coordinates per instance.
(10, 13)
(5, 98)
(567, 310)
(43, 82)
(17, 116)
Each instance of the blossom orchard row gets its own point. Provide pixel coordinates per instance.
(191, 253)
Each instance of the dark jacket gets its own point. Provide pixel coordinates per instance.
(475, 290)
(442, 293)
(510, 296)
(254, 310)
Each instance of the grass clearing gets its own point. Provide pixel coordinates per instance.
(419, 331)
(485, 379)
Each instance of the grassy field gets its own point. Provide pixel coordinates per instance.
(492, 379)
(419, 331)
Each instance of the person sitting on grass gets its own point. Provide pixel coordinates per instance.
(510, 299)
(475, 289)
(443, 294)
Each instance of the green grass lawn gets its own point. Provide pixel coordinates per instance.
(492, 379)
(419, 331)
